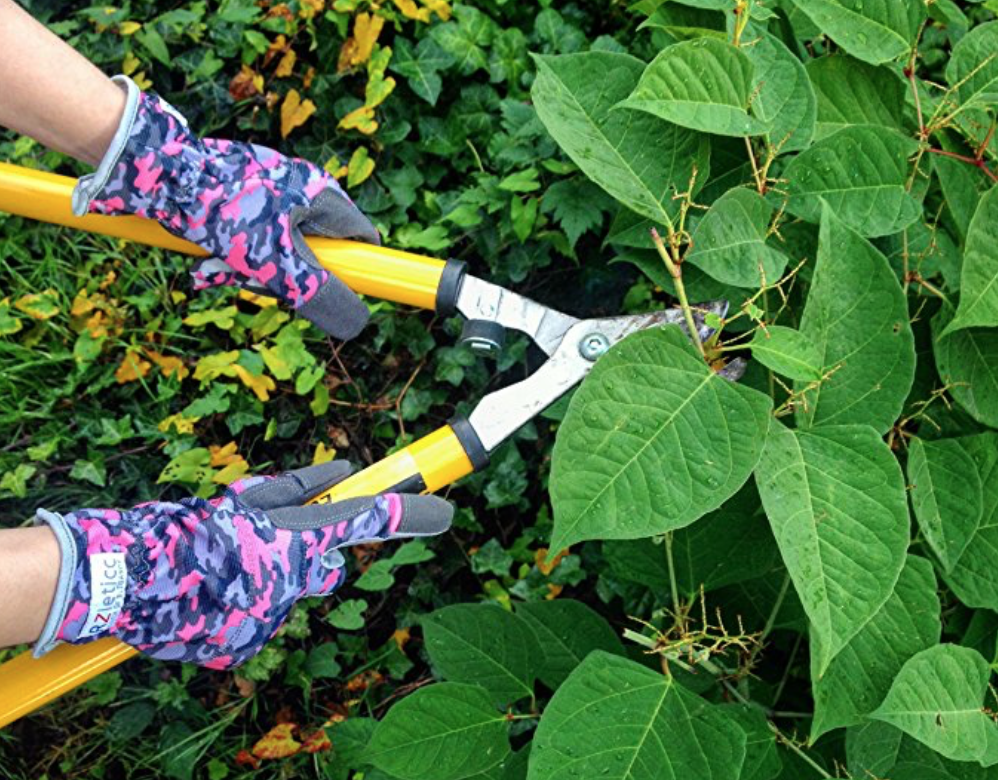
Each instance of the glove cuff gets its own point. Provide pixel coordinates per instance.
(88, 186)
(92, 585)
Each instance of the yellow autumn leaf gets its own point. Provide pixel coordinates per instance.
(309, 8)
(294, 112)
(358, 47)
(223, 456)
(141, 81)
(179, 422)
(279, 742)
(39, 306)
(168, 364)
(238, 469)
(287, 64)
(211, 366)
(440, 7)
(263, 301)
(361, 120)
(360, 168)
(129, 28)
(377, 91)
(322, 454)
(82, 304)
(260, 385)
(132, 368)
(130, 64)
(410, 10)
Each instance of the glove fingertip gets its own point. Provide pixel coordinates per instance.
(336, 310)
(412, 515)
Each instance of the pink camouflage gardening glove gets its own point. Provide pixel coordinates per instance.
(247, 205)
(211, 581)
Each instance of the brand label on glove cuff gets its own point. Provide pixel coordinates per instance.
(108, 578)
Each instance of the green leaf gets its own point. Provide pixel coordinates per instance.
(9, 324)
(575, 204)
(946, 496)
(446, 731)
(153, 43)
(786, 101)
(875, 31)
(89, 471)
(861, 172)
(857, 315)
(567, 631)
(521, 181)
(484, 644)
(465, 37)
(861, 674)
(872, 749)
(729, 242)
(348, 616)
(788, 352)
(762, 761)
(322, 661)
(967, 361)
(652, 441)
(421, 66)
(704, 84)
(835, 498)
(962, 184)
(686, 23)
(614, 719)
(979, 279)
(973, 66)
(938, 699)
(638, 159)
(851, 92)
(973, 577)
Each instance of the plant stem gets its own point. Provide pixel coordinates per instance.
(969, 160)
(804, 756)
(677, 276)
(672, 573)
(774, 613)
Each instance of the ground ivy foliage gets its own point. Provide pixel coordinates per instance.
(670, 574)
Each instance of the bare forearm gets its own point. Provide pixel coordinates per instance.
(52, 93)
(29, 571)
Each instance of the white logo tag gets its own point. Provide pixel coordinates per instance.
(108, 578)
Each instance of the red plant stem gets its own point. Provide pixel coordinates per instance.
(984, 145)
(977, 163)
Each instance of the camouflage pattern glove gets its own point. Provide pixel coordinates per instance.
(211, 581)
(247, 205)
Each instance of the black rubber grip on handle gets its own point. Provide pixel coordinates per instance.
(473, 447)
(450, 287)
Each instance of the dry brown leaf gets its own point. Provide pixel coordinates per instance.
(245, 84)
(279, 742)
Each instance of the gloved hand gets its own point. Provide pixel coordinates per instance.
(212, 581)
(247, 205)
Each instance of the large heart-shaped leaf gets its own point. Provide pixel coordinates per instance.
(973, 66)
(978, 306)
(968, 363)
(637, 158)
(483, 644)
(857, 316)
(875, 31)
(973, 576)
(786, 100)
(567, 631)
(729, 242)
(946, 495)
(446, 731)
(618, 720)
(851, 92)
(787, 351)
(862, 173)
(858, 679)
(652, 441)
(704, 84)
(938, 699)
(835, 498)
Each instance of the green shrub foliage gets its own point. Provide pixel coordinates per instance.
(668, 575)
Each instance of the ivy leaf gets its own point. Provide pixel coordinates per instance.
(729, 242)
(938, 699)
(634, 456)
(484, 644)
(857, 315)
(973, 66)
(785, 100)
(979, 279)
(465, 38)
(861, 172)
(852, 92)
(567, 631)
(946, 496)
(348, 616)
(861, 674)
(421, 66)
(972, 578)
(704, 84)
(575, 204)
(968, 363)
(835, 498)
(617, 720)
(446, 731)
(787, 351)
(875, 31)
(637, 158)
